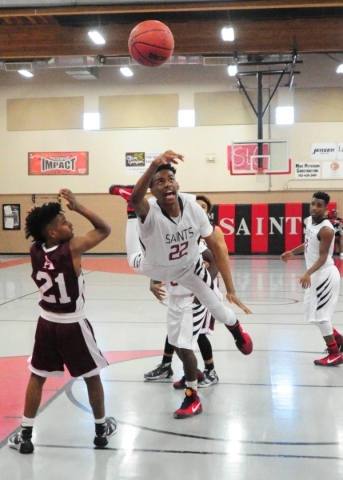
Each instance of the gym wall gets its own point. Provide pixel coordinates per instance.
(47, 117)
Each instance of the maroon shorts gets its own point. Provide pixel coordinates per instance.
(66, 344)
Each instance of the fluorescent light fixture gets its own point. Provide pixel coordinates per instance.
(228, 34)
(96, 37)
(91, 121)
(25, 73)
(340, 68)
(186, 118)
(284, 115)
(232, 70)
(126, 71)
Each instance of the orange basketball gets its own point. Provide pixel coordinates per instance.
(151, 43)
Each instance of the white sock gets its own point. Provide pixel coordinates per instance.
(27, 422)
(100, 420)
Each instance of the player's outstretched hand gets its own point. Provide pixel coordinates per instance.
(70, 198)
(168, 157)
(233, 299)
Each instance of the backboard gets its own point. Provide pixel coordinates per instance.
(259, 156)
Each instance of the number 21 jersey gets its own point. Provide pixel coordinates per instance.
(61, 291)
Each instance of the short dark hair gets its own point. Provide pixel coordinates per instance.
(207, 201)
(322, 196)
(164, 166)
(39, 218)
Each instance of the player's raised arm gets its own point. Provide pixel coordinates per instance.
(81, 243)
(138, 200)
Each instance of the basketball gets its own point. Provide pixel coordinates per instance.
(151, 43)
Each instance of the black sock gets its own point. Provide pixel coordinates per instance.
(209, 366)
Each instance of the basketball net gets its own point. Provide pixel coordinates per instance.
(260, 175)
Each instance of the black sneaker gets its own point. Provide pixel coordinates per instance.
(22, 441)
(211, 378)
(105, 431)
(163, 370)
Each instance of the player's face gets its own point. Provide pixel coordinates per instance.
(318, 209)
(165, 187)
(203, 205)
(61, 230)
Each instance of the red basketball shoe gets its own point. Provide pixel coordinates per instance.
(124, 191)
(190, 406)
(242, 338)
(331, 360)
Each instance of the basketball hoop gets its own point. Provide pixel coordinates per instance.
(260, 174)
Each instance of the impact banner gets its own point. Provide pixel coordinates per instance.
(58, 163)
(262, 228)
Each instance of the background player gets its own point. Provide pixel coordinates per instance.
(63, 335)
(321, 279)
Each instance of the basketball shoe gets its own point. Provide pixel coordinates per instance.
(190, 406)
(339, 339)
(163, 370)
(22, 441)
(104, 431)
(331, 360)
(181, 384)
(123, 191)
(242, 338)
(211, 378)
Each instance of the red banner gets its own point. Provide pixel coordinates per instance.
(58, 163)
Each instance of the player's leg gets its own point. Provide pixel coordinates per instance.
(163, 370)
(209, 296)
(211, 377)
(105, 427)
(22, 441)
(183, 330)
(133, 247)
(319, 304)
(82, 357)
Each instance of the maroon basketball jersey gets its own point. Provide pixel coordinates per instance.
(61, 291)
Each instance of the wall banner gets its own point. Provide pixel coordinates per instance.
(262, 228)
(58, 163)
(136, 163)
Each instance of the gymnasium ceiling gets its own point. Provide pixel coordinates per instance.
(54, 33)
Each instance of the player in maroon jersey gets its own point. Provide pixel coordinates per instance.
(64, 337)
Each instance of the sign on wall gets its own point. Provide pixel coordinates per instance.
(136, 163)
(262, 228)
(58, 163)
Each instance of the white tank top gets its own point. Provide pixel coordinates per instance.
(312, 243)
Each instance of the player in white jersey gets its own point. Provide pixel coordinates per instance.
(321, 279)
(170, 226)
(164, 370)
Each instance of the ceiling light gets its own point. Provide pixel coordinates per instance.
(25, 73)
(228, 34)
(232, 70)
(96, 37)
(340, 68)
(127, 72)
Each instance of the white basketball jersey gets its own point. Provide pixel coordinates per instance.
(176, 289)
(312, 243)
(168, 242)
